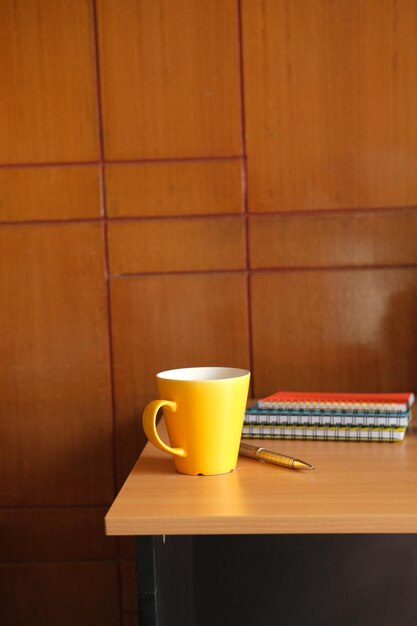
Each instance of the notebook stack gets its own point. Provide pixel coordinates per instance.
(333, 416)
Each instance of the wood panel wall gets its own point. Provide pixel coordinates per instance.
(185, 183)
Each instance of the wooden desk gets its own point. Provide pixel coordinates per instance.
(355, 488)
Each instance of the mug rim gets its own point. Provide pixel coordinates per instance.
(203, 374)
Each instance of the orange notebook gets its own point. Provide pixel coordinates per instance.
(307, 400)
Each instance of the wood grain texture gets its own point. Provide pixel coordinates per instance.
(335, 330)
(174, 188)
(164, 322)
(47, 70)
(54, 534)
(170, 78)
(64, 593)
(259, 498)
(56, 443)
(46, 193)
(330, 96)
(348, 239)
(167, 245)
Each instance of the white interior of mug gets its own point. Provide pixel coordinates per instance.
(203, 373)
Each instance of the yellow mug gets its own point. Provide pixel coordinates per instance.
(203, 408)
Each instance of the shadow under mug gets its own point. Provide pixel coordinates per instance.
(203, 408)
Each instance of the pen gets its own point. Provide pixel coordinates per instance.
(270, 456)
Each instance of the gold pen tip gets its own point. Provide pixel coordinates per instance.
(302, 465)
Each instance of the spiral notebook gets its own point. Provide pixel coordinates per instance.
(339, 433)
(374, 403)
(283, 417)
(341, 416)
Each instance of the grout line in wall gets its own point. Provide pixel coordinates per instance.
(176, 159)
(245, 193)
(105, 219)
(103, 214)
(194, 216)
(23, 166)
(241, 214)
(332, 268)
(96, 56)
(330, 211)
(189, 216)
(48, 507)
(264, 270)
(109, 220)
(53, 222)
(103, 161)
(127, 275)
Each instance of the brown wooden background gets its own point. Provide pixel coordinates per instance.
(183, 183)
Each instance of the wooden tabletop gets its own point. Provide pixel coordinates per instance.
(355, 488)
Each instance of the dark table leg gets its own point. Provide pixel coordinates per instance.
(242, 580)
(165, 580)
(146, 580)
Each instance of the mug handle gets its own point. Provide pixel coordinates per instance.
(149, 425)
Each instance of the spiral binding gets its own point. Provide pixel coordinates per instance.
(340, 433)
(339, 407)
